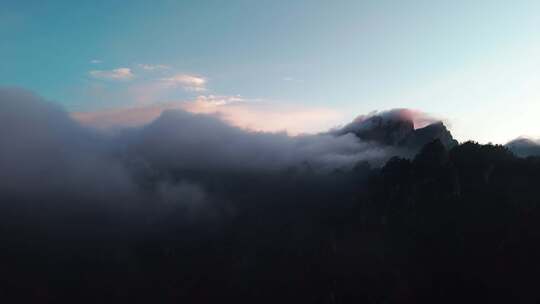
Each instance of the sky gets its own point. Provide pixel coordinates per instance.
(295, 65)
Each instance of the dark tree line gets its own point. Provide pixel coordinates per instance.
(458, 225)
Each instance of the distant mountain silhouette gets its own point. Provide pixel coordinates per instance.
(398, 131)
(524, 147)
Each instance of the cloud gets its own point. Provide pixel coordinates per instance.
(180, 141)
(115, 74)
(187, 82)
(152, 195)
(43, 150)
(255, 115)
(266, 116)
(162, 207)
(122, 117)
(153, 67)
(50, 160)
(176, 136)
(153, 83)
(90, 201)
(46, 154)
(95, 61)
(291, 79)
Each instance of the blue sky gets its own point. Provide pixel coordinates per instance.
(473, 63)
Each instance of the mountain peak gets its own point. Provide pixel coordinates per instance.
(397, 128)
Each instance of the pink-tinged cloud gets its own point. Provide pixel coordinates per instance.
(187, 82)
(252, 115)
(116, 74)
(265, 116)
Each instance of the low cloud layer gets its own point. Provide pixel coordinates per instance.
(181, 158)
(178, 139)
(44, 152)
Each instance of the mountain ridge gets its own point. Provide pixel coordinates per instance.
(389, 129)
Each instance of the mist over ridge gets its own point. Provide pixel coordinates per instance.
(189, 207)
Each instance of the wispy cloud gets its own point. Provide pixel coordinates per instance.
(291, 79)
(187, 82)
(153, 95)
(115, 74)
(95, 61)
(153, 67)
(219, 100)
